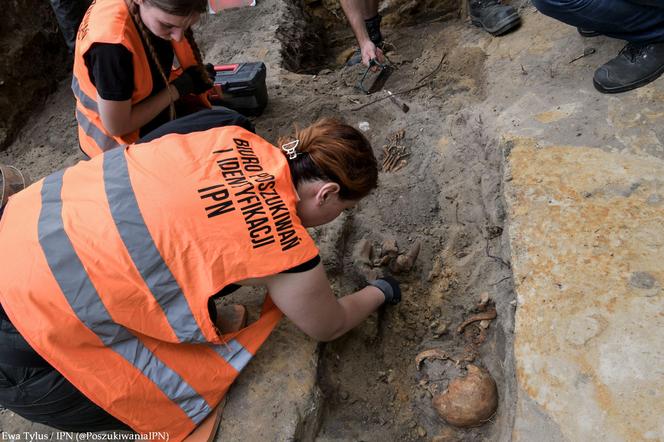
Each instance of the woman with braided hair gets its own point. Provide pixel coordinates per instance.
(124, 81)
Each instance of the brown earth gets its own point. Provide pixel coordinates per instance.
(33, 60)
(447, 196)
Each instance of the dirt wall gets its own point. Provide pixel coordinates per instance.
(394, 12)
(33, 59)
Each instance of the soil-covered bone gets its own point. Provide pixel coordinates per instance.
(468, 401)
(484, 300)
(490, 314)
(394, 152)
(434, 353)
(405, 262)
(362, 253)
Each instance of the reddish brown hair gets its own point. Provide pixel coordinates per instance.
(330, 150)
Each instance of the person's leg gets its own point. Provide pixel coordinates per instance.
(372, 21)
(33, 389)
(626, 20)
(368, 9)
(653, 3)
(69, 14)
(203, 120)
(641, 60)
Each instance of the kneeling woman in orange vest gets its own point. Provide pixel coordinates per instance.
(123, 78)
(107, 289)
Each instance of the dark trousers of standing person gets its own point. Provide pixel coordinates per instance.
(639, 22)
(636, 21)
(32, 388)
(69, 14)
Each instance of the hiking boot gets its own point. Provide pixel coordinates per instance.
(636, 65)
(355, 58)
(493, 17)
(587, 32)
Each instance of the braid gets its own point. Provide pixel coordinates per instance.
(133, 10)
(189, 35)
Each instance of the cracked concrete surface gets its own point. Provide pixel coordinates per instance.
(584, 186)
(587, 254)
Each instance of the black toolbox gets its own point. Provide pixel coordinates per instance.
(241, 87)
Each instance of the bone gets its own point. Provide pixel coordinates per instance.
(362, 253)
(405, 262)
(490, 314)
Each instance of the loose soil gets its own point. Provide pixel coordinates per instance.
(446, 196)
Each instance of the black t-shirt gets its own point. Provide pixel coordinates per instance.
(305, 266)
(111, 70)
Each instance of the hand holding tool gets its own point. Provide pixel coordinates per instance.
(374, 77)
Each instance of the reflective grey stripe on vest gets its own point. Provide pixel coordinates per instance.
(88, 307)
(143, 251)
(234, 353)
(86, 101)
(149, 262)
(105, 142)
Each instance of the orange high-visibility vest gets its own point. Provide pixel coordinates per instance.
(108, 267)
(109, 21)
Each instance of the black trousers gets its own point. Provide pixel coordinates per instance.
(202, 120)
(635, 21)
(69, 14)
(36, 391)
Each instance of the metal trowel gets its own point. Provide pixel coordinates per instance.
(374, 77)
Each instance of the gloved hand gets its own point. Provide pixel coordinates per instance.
(390, 288)
(193, 80)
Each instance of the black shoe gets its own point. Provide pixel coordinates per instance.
(635, 66)
(495, 18)
(355, 58)
(587, 32)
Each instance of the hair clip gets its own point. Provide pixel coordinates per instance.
(289, 148)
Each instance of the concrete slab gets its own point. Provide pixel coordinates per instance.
(587, 248)
(585, 190)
